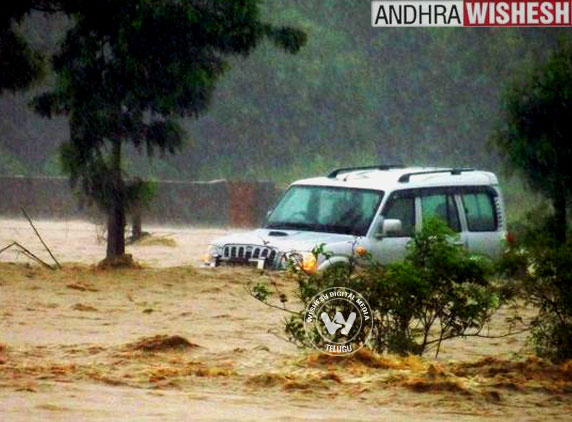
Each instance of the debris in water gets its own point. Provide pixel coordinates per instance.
(82, 287)
(368, 359)
(150, 240)
(162, 343)
(83, 308)
(268, 379)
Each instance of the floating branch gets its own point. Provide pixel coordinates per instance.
(41, 240)
(28, 253)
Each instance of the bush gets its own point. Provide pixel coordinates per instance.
(548, 286)
(438, 292)
(537, 228)
(540, 268)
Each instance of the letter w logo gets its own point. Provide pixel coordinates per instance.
(338, 322)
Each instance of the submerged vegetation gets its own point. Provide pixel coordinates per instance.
(438, 293)
(441, 292)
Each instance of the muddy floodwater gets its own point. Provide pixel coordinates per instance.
(174, 342)
(80, 241)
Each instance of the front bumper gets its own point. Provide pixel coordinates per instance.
(262, 257)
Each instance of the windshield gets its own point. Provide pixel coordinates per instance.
(326, 209)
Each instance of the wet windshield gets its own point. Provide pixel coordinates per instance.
(326, 209)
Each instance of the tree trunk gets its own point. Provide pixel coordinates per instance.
(559, 203)
(116, 232)
(116, 212)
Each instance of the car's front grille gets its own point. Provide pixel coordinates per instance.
(248, 254)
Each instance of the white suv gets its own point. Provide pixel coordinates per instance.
(377, 208)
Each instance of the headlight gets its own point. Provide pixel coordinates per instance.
(309, 262)
(212, 254)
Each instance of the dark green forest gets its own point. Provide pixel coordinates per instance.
(353, 95)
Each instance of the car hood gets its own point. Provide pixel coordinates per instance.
(287, 240)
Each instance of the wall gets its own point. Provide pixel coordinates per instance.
(215, 203)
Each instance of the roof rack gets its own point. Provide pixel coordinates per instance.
(454, 171)
(334, 173)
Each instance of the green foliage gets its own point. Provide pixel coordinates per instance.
(261, 292)
(353, 95)
(535, 138)
(439, 284)
(536, 227)
(339, 104)
(127, 69)
(540, 271)
(438, 292)
(19, 64)
(515, 193)
(549, 288)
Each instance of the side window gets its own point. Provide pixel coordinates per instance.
(480, 212)
(443, 207)
(402, 208)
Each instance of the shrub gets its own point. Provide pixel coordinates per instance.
(548, 286)
(438, 292)
(540, 269)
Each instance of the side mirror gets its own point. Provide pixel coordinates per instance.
(389, 226)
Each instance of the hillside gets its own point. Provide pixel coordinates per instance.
(355, 94)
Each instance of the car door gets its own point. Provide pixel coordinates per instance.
(443, 204)
(392, 247)
(482, 221)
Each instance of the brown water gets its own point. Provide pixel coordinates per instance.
(66, 349)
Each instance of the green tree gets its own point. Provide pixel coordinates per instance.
(128, 69)
(19, 64)
(536, 136)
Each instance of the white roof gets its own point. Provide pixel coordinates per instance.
(388, 180)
